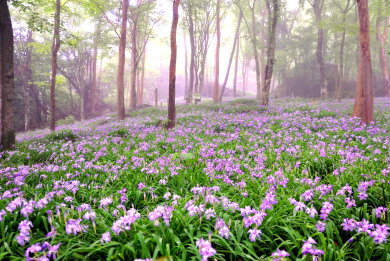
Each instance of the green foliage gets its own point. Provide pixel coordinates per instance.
(67, 121)
(62, 135)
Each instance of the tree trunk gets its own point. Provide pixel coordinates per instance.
(185, 66)
(364, 101)
(121, 65)
(54, 51)
(218, 26)
(7, 78)
(271, 50)
(94, 68)
(317, 6)
(172, 68)
(382, 37)
(341, 79)
(28, 83)
(236, 65)
(133, 93)
(231, 57)
(262, 51)
(193, 51)
(141, 94)
(256, 53)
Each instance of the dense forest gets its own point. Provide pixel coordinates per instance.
(161, 130)
(314, 44)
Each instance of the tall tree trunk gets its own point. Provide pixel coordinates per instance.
(244, 75)
(364, 101)
(341, 79)
(231, 57)
(131, 80)
(236, 63)
(382, 37)
(54, 51)
(185, 66)
(216, 82)
(317, 6)
(255, 51)
(172, 68)
(7, 88)
(341, 75)
(29, 81)
(134, 53)
(121, 65)
(271, 50)
(193, 52)
(94, 67)
(141, 93)
(262, 51)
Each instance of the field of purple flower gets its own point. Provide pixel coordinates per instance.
(296, 181)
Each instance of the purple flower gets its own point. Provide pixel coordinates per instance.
(53, 251)
(380, 212)
(309, 248)
(33, 249)
(205, 249)
(279, 254)
(320, 226)
(349, 224)
(300, 206)
(253, 233)
(2, 213)
(141, 186)
(224, 232)
(106, 237)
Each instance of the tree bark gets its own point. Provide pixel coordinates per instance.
(382, 37)
(364, 101)
(7, 88)
(236, 63)
(121, 64)
(94, 68)
(271, 50)
(231, 57)
(255, 51)
(54, 51)
(193, 51)
(317, 6)
(185, 66)
(172, 68)
(218, 26)
(141, 93)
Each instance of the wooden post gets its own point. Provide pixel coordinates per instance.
(156, 96)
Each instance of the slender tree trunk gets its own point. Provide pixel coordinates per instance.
(121, 64)
(141, 94)
(231, 57)
(256, 53)
(364, 101)
(341, 79)
(236, 63)
(382, 37)
(172, 68)
(244, 77)
(317, 6)
(262, 51)
(54, 51)
(133, 94)
(185, 66)
(94, 68)
(216, 82)
(193, 51)
(271, 50)
(7, 78)
(131, 80)
(28, 83)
